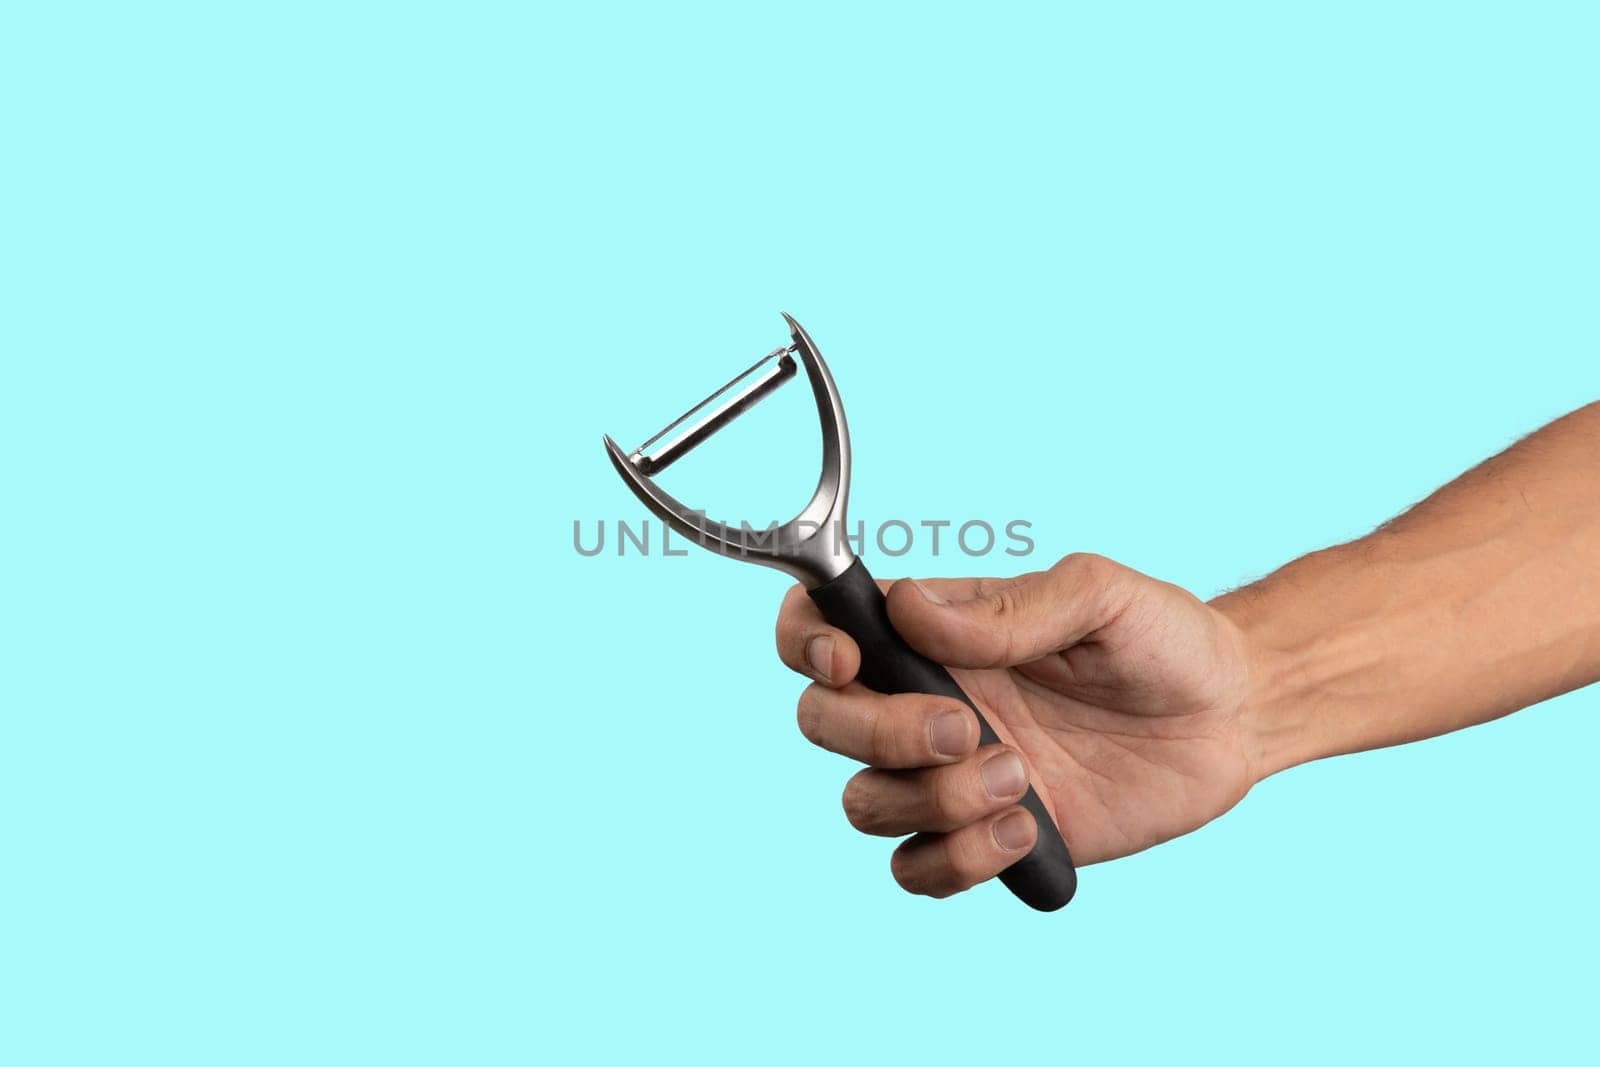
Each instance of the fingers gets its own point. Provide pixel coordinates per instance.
(810, 646)
(938, 865)
(905, 730)
(939, 799)
(1003, 622)
(926, 775)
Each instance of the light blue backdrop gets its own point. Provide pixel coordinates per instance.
(321, 744)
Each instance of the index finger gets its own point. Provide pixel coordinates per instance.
(808, 645)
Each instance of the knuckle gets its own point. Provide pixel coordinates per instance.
(792, 597)
(910, 868)
(1087, 567)
(861, 804)
(1002, 603)
(880, 734)
(944, 807)
(950, 880)
(998, 636)
(903, 871)
(966, 866)
(787, 628)
(808, 714)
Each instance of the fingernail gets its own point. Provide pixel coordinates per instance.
(1003, 776)
(1011, 832)
(928, 594)
(948, 731)
(819, 653)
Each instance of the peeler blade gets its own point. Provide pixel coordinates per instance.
(746, 391)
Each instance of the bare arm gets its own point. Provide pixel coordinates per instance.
(1482, 599)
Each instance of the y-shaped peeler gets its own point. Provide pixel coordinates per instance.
(813, 548)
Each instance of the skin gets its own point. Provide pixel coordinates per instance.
(1140, 712)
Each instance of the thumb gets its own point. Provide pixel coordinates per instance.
(1000, 622)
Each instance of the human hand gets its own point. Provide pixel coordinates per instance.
(1119, 697)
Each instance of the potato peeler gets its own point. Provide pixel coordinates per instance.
(812, 547)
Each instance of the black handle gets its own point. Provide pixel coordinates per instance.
(1044, 878)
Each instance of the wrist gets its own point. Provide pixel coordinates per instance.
(1272, 719)
(1307, 645)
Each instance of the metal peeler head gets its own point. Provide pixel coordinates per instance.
(811, 546)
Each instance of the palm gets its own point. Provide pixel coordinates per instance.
(1132, 735)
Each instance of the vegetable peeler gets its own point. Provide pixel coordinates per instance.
(812, 548)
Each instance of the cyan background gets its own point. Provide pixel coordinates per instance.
(321, 745)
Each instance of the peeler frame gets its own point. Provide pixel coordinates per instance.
(811, 546)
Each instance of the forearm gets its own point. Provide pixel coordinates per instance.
(1482, 599)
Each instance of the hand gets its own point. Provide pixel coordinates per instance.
(1119, 697)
